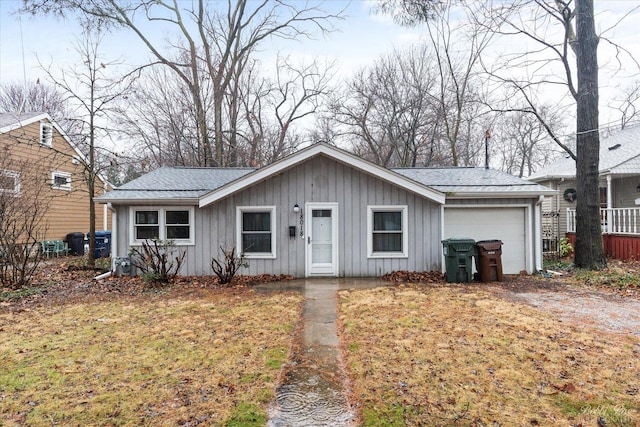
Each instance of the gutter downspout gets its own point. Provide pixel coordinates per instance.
(114, 233)
(538, 234)
(609, 205)
(105, 224)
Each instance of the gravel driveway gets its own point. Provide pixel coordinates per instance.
(604, 310)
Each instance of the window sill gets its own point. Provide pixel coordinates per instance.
(260, 256)
(388, 255)
(175, 242)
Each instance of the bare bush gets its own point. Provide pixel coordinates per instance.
(158, 260)
(23, 209)
(227, 269)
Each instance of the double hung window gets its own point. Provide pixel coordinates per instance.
(387, 231)
(61, 181)
(164, 223)
(256, 237)
(9, 182)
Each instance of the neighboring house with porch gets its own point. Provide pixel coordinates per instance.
(326, 212)
(619, 194)
(36, 153)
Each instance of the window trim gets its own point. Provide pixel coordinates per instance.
(46, 134)
(404, 211)
(66, 175)
(162, 226)
(256, 255)
(16, 182)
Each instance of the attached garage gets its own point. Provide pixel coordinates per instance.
(508, 224)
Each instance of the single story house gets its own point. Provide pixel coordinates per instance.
(619, 170)
(326, 212)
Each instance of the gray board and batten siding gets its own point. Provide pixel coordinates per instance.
(318, 179)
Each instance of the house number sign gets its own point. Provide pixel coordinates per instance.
(301, 225)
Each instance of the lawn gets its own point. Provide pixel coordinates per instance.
(211, 357)
(442, 355)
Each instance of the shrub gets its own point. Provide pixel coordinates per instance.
(18, 263)
(565, 248)
(158, 260)
(227, 269)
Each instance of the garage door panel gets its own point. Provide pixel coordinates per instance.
(505, 224)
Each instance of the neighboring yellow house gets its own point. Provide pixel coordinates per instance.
(34, 152)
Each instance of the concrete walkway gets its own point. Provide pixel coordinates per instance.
(314, 389)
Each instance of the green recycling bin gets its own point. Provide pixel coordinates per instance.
(459, 253)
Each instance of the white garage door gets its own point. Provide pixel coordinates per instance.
(506, 224)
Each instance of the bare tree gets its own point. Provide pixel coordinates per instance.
(589, 252)
(93, 94)
(272, 109)
(454, 97)
(560, 40)
(628, 104)
(24, 204)
(522, 144)
(407, 110)
(457, 71)
(33, 97)
(217, 43)
(159, 119)
(552, 31)
(387, 110)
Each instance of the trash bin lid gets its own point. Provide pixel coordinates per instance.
(489, 245)
(460, 244)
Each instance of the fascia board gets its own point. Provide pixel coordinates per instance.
(500, 194)
(332, 152)
(142, 201)
(22, 123)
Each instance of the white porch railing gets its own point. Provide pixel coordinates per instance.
(614, 220)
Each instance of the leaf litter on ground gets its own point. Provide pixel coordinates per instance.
(440, 355)
(115, 353)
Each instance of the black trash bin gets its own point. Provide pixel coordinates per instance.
(459, 253)
(103, 243)
(75, 241)
(489, 260)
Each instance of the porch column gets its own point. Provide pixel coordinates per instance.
(609, 205)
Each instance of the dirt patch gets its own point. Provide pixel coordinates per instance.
(607, 311)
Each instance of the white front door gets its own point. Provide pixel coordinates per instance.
(322, 239)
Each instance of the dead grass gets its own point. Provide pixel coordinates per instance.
(450, 355)
(212, 357)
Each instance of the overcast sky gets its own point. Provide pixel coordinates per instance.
(362, 37)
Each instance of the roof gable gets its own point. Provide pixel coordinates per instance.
(331, 152)
(10, 122)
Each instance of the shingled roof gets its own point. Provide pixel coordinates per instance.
(178, 184)
(205, 185)
(473, 181)
(10, 121)
(619, 155)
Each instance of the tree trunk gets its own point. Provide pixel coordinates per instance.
(589, 252)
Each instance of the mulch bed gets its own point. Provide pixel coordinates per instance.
(61, 281)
